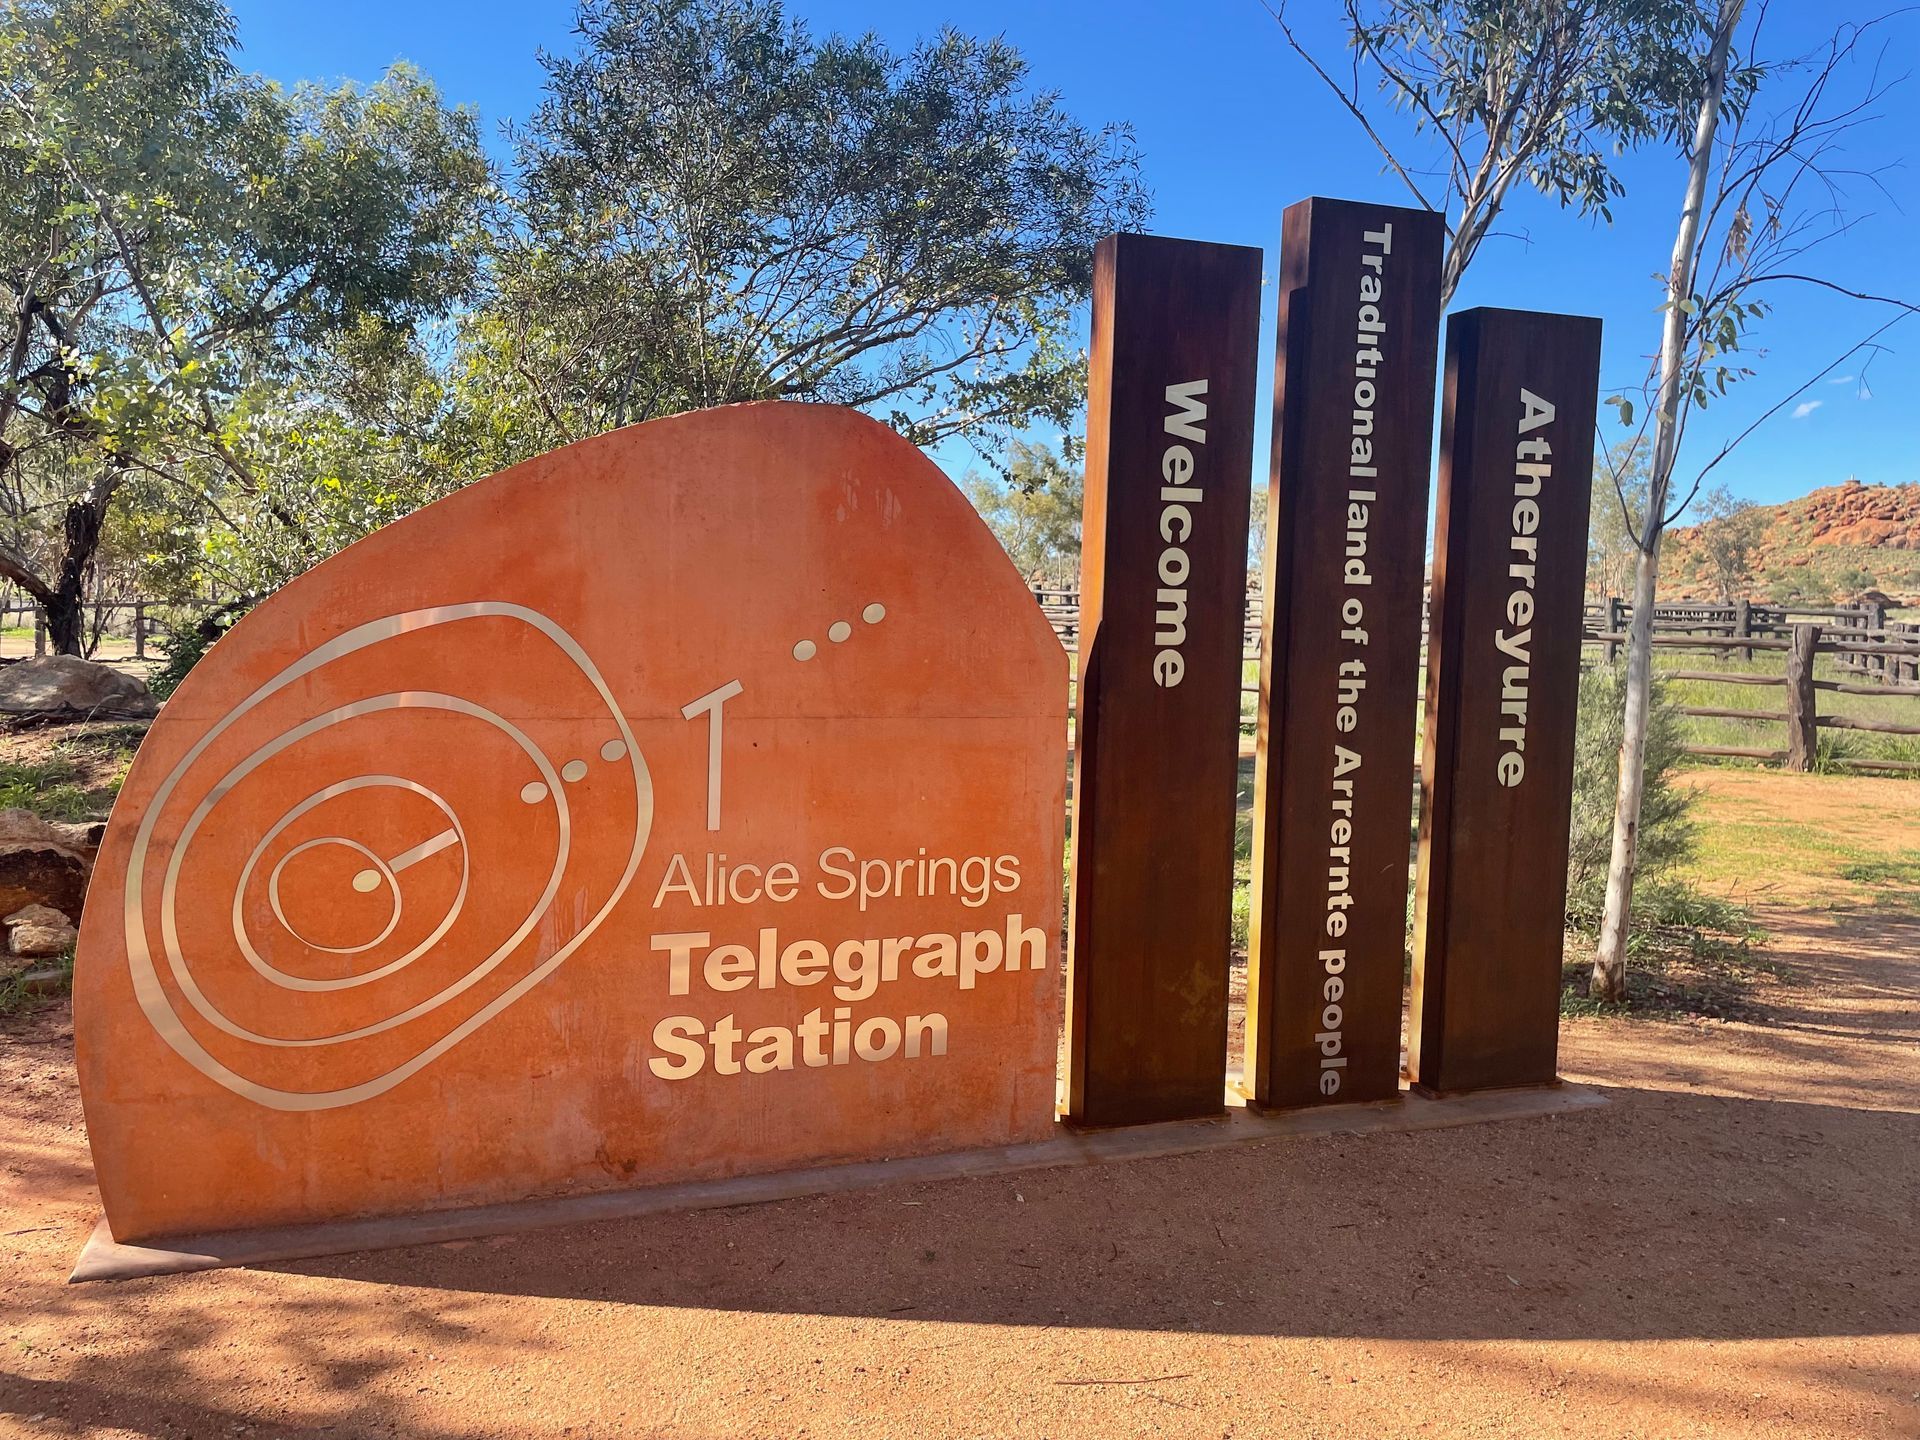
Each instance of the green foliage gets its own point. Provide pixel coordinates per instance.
(1666, 824)
(251, 324)
(1257, 518)
(15, 997)
(187, 643)
(1616, 512)
(46, 788)
(1668, 902)
(1834, 742)
(79, 781)
(1600, 75)
(1539, 92)
(1682, 970)
(1689, 952)
(366, 433)
(177, 239)
(183, 646)
(1035, 511)
(1716, 332)
(1728, 530)
(715, 206)
(1899, 872)
(1807, 589)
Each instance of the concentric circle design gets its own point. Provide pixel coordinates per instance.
(381, 872)
(164, 848)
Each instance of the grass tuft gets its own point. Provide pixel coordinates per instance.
(1836, 746)
(49, 789)
(16, 997)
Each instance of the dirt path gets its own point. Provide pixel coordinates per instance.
(1728, 1249)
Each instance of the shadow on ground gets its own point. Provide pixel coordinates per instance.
(1664, 1216)
(1732, 1233)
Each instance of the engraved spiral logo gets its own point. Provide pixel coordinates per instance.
(352, 953)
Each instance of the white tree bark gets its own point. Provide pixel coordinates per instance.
(1609, 980)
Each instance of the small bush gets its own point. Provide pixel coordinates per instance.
(1666, 825)
(184, 645)
(1833, 750)
(47, 789)
(1688, 953)
(16, 997)
(188, 641)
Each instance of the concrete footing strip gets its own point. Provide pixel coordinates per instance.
(104, 1258)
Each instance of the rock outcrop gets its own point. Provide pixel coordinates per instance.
(39, 932)
(42, 864)
(68, 684)
(1832, 545)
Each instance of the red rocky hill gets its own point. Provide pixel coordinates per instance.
(1825, 548)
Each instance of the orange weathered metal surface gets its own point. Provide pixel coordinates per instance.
(1503, 697)
(1163, 590)
(681, 804)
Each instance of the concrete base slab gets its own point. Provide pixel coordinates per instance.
(104, 1258)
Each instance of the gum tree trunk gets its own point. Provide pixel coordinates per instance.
(1609, 979)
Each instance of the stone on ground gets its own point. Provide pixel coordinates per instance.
(39, 931)
(68, 683)
(41, 942)
(36, 915)
(41, 864)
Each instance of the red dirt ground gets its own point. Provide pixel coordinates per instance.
(1727, 1249)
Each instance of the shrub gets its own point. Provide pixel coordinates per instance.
(191, 639)
(183, 646)
(1666, 824)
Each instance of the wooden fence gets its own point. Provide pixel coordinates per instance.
(1881, 658)
(1062, 609)
(102, 618)
(1880, 655)
(1885, 656)
(1877, 647)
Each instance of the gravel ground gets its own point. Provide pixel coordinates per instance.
(1727, 1249)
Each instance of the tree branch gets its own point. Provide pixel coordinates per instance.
(1280, 19)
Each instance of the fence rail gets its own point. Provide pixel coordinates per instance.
(137, 624)
(1884, 655)
(1861, 638)
(1881, 654)
(1801, 716)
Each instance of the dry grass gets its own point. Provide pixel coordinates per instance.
(1836, 746)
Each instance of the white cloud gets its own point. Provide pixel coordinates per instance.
(1841, 380)
(1806, 408)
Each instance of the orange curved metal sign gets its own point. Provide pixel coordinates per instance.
(684, 803)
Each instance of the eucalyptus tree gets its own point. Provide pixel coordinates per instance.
(174, 233)
(1035, 510)
(1613, 520)
(1767, 166)
(1728, 530)
(1504, 92)
(714, 205)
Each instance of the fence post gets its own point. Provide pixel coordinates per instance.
(139, 629)
(1803, 721)
(1743, 625)
(1844, 659)
(39, 631)
(1610, 625)
(1877, 620)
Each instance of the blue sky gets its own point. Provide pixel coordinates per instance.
(1233, 128)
